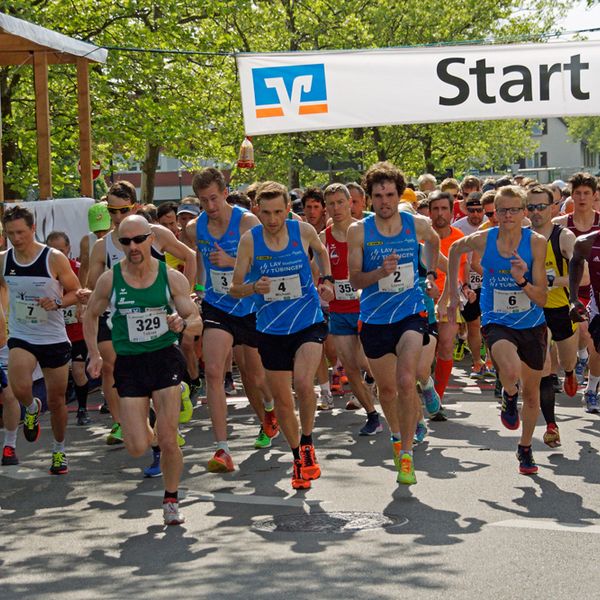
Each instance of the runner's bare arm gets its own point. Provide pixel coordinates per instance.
(97, 304)
(187, 317)
(169, 243)
(431, 246)
(358, 278)
(566, 242)
(84, 259)
(581, 252)
(243, 264)
(309, 233)
(537, 289)
(61, 269)
(476, 242)
(97, 262)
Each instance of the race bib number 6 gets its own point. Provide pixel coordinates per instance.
(284, 288)
(147, 326)
(399, 281)
(511, 302)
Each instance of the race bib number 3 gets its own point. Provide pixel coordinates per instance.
(221, 281)
(147, 326)
(284, 288)
(30, 313)
(344, 290)
(511, 302)
(400, 280)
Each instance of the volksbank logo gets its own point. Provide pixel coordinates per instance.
(287, 91)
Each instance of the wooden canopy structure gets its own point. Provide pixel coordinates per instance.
(23, 43)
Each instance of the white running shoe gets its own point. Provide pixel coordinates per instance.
(171, 514)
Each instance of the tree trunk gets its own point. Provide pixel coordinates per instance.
(149, 167)
(381, 152)
(293, 177)
(428, 155)
(9, 146)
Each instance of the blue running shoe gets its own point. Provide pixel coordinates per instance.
(591, 402)
(431, 398)
(509, 413)
(580, 368)
(154, 469)
(372, 426)
(420, 433)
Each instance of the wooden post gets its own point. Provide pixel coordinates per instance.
(85, 127)
(42, 121)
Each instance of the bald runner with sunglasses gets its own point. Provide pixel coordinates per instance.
(107, 251)
(150, 307)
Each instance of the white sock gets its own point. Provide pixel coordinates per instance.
(325, 388)
(58, 446)
(428, 385)
(223, 446)
(10, 438)
(269, 406)
(592, 384)
(583, 353)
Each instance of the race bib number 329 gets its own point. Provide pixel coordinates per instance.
(147, 326)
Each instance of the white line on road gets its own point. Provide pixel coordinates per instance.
(548, 525)
(23, 473)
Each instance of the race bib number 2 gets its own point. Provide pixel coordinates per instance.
(284, 288)
(147, 326)
(402, 279)
(511, 302)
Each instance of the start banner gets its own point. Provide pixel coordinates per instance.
(305, 91)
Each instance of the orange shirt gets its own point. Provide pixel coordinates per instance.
(445, 244)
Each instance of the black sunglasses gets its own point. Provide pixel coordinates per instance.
(538, 207)
(474, 210)
(138, 239)
(489, 215)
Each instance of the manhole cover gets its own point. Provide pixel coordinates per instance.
(333, 522)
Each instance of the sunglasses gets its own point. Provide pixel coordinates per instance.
(113, 210)
(474, 210)
(538, 207)
(489, 215)
(513, 210)
(138, 239)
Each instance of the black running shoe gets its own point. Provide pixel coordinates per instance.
(31, 423)
(9, 456)
(59, 465)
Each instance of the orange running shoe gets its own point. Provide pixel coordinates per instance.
(336, 386)
(310, 466)
(552, 436)
(343, 377)
(298, 482)
(270, 425)
(570, 384)
(221, 462)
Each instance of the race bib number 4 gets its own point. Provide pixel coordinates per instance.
(221, 281)
(511, 302)
(344, 290)
(400, 280)
(30, 312)
(284, 288)
(147, 326)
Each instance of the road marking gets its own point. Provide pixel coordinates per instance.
(23, 473)
(548, 525)
(472, 389)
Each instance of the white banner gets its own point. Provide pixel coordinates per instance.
(306, 91)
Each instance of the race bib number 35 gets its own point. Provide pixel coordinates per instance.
(284, 288)
(221, 281)
(344, 290)
(30, 313)
(400, 280)
(511, 302)
(147, 326)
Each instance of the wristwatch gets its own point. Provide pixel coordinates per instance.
(58, 302)
(432, 273)
(550, 279)
(523, 283)
(328, 278)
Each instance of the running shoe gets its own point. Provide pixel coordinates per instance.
(82, 417)
(172, 514)
(498, 389)
(509, 414)
(310, 466)
(9, 456)
(298, 482)
(439, 416)
(397, 450)
(229, 386)
(478, 371)
(556, 383)
(187, 408)
(221, 462)
(325, 401)
(483, 351)
(580, 368)
(570, 384)
(180, 440)
(406, 472)
(31, 423)
(154, 469)
(527, 465)
(336, 386)
(431, 399)
(263, 440)
(343, 377)
(420, 433)
(270, 425)
(459, 349)
(552, 436)
(115, 436)
(352, 404)
(591, 402)
(104, 410)
(59, 464)
(490, 372)
(372, 426)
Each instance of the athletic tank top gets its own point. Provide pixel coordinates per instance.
(92, 239)
(503, 302)
(429, 303)
(27, 320)
(218, 279)
(346, 297)
(293, 302)
(398, 295)
(556, 265)
(584, 290)
(595, 270)
(114, 254)
(139, 316)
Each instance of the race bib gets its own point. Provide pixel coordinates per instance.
(284, 288)
(221, 281)
(147, 326)
(344, 290)
(402, 279)
(70, 314)
(30, 313)
(474, 280)
(511, 302)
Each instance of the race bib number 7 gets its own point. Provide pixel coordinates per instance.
(284, 288)
(511, 302)
(402, 279)
(30, 312)
(147, 326)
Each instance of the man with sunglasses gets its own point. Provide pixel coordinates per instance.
(151, 306)
(513, 292)
(559, 250)
(107, 251)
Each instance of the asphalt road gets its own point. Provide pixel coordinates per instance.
(471, 528)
